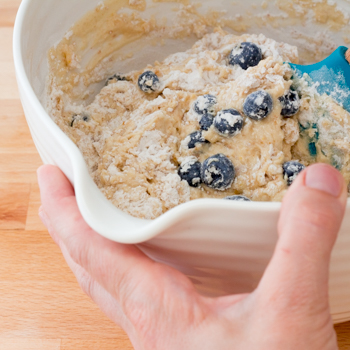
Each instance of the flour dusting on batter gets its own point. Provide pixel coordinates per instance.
(145, 141)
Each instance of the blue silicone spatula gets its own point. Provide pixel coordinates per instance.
(332, 75)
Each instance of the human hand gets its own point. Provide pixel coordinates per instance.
(158, 306)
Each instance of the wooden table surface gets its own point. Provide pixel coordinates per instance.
(41, 304)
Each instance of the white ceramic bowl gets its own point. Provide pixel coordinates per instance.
(223, 246)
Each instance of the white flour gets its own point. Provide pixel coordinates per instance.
(134, 142)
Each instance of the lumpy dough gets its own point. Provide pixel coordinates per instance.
(134, 142)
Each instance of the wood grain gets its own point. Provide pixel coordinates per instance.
(14, 132)
(31, 344)
(33, 222)
(41, 304)
(343, 332)
(14, 205)
(105, 344)
(8, 11)
(8, 88)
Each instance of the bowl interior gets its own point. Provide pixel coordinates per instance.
(315, 34)
(316, 30)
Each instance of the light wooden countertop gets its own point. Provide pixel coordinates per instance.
(41, 304)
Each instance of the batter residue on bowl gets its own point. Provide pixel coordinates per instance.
(203, 124)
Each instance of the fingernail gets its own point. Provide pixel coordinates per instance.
(325, 178)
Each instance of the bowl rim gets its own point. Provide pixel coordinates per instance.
(144, 230)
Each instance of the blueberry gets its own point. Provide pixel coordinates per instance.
(76, 117)
(291, 170)
(190, 171)
(258, 105)
(290, 103)
(115, 77)
(192, 140)
(238, 198)
(205, 104)
(228, 122)
(149, 82)
(218, 172)
(206, 121)
(245, 55)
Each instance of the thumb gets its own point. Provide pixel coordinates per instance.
(311, 215)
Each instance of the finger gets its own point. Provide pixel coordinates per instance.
(89, 286)
(104, 300)
(95, 291)
(122, 270)
(84, 245)
(311, 215)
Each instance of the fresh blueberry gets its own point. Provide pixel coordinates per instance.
(194, 139)
(76, 117)
(190, 171)
(238, 198)
(291, 170)
(228, 122)
(290, 103)
(218, 172)
(206, 121)
(205, 104)
(149, 82)
(245, 55)
(115, 77)
(258, 105)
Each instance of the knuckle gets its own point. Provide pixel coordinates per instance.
(136, 301)
(320, 217)
(125, 292)
(87, 285)
(141, 316)
(78, 252)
